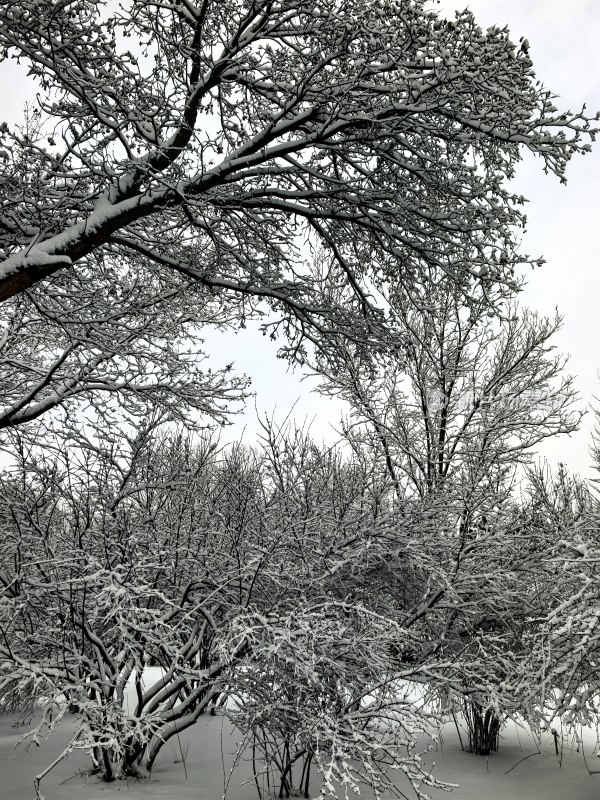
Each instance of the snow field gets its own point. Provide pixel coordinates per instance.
(518, 772)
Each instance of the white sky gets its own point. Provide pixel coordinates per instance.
(564, 41)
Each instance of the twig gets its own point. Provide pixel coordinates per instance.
(590, 771)
(87, 772)
(539, 752)
(183, 758)
(40, 776)
(462, 747)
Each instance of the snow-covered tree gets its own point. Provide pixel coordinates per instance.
(111, 563)
(329, 685)
(240, 573)
(290, 579)
(185, 157)
(91, 344)
(465, 399)
(455, 417)
(565, 650)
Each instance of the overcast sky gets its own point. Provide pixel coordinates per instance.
(563, 225)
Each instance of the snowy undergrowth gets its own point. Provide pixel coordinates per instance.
(197, 766)
(213, 759)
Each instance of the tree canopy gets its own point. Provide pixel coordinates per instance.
(202, 150)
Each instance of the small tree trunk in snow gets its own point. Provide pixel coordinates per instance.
(483, 726)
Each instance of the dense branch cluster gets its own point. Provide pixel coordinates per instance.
(200, 151)
(236, 121)
(232, 571)
(339, 172)
(340, 623)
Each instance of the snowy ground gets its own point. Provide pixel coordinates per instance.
(509, 775)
